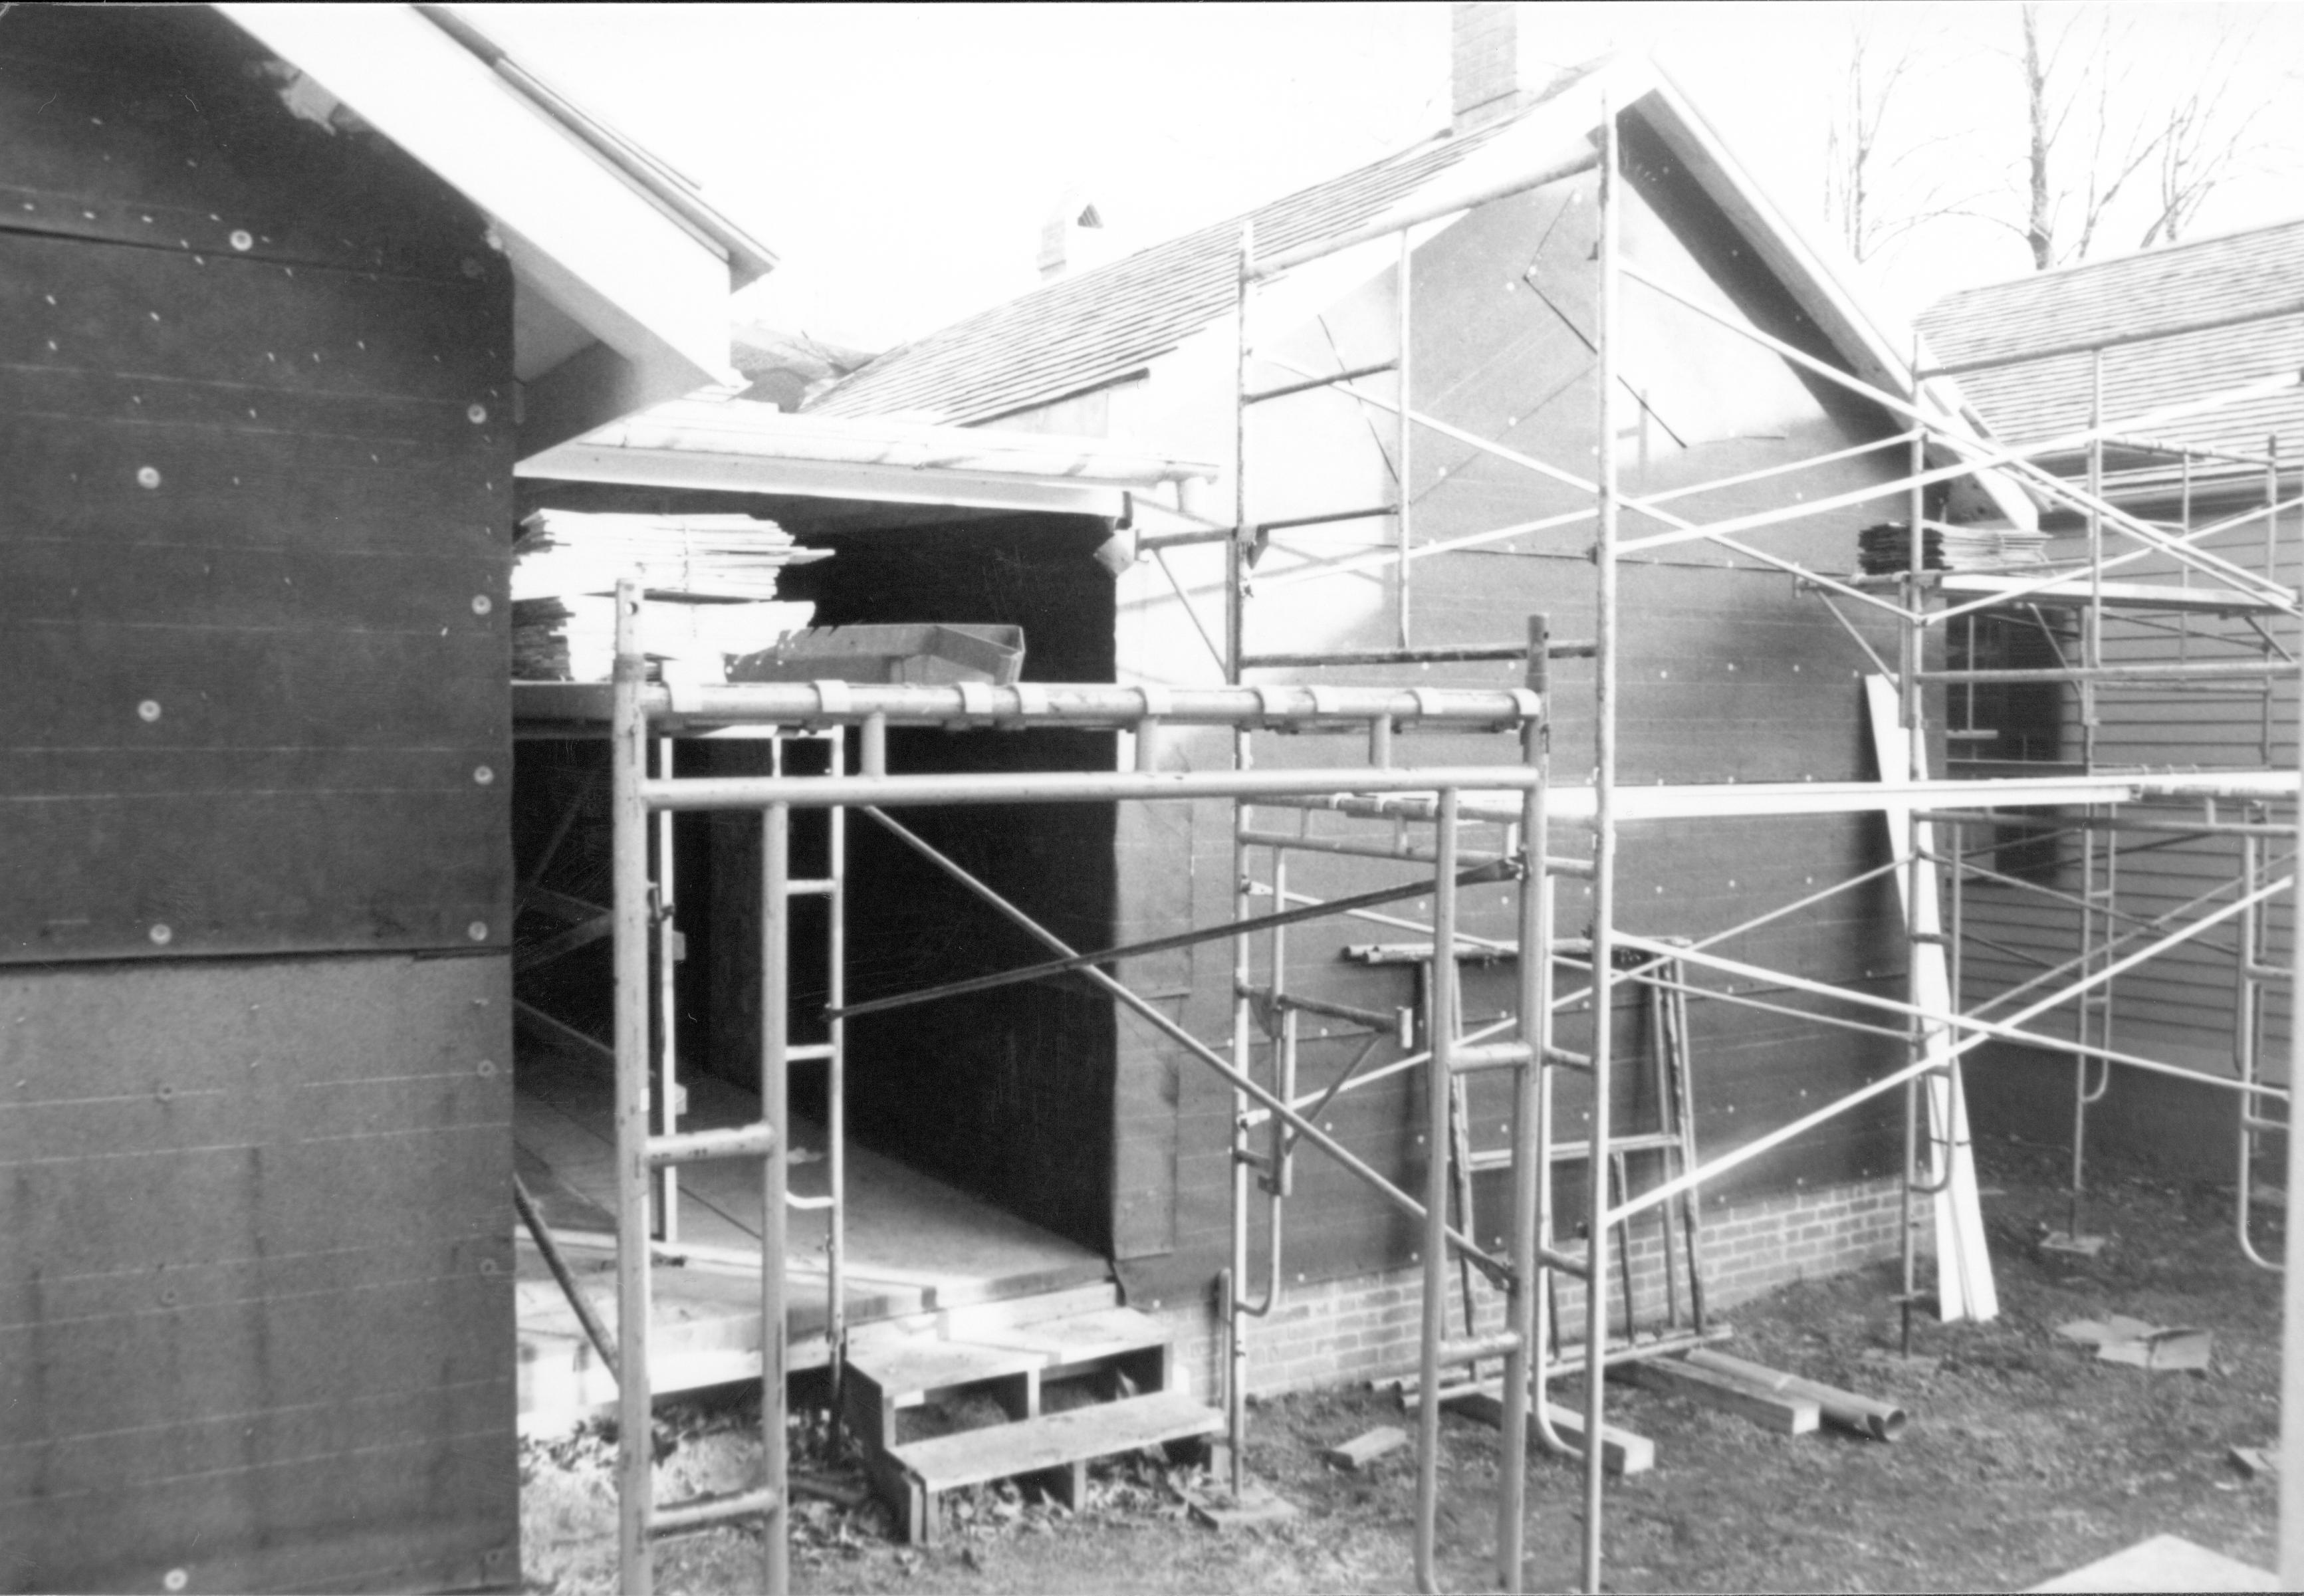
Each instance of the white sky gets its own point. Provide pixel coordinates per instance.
(900, 160)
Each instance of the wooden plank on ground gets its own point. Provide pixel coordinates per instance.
(1784, 1414)
(1621, 1451)
(1361, 1450)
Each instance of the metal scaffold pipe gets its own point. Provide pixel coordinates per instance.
(1603, 849)
(635, 1439)
(2292, 1284)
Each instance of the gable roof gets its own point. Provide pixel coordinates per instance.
(2183, 284)
(1075, 335)
(1083, 332)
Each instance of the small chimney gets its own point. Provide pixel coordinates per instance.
(1073, 237)
(1492, 71)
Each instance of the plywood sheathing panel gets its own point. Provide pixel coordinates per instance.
(256, 1285)
(254, 405)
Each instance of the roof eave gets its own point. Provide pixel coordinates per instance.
(580, 231)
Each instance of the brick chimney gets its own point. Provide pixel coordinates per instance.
(1492, 71)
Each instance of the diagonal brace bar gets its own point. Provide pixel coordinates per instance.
(1479, 875)
(1494, 1268)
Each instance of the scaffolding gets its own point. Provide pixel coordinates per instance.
(641, 710)
(1431, 820)
(1936, 1025)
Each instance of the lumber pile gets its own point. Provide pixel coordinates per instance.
(1886, 548)
(711, 582)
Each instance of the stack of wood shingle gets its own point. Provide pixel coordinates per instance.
(1884, 549)
(710, 579)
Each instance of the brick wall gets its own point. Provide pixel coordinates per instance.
(1366, 1327)
(1484, 63)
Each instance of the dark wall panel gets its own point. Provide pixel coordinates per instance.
(254, 526)
(256, 1320)
(256, 1315)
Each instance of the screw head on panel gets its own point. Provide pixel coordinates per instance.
(149, 710)
(482, 604)
(176, 1579)
(147, 476)
(243, 239)
(475, 413)
(482, 775)
(477, 930)
(161, 936)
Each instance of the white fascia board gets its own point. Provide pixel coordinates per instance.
(743, 427)
(1856, 331)
(585, 461)
(645, 286)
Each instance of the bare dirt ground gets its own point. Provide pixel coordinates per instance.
(2026, 1457)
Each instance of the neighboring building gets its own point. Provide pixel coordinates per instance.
(1093, 1125)
(272, 349)
(2180, 1007)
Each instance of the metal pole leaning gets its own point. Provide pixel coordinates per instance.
(635, 1448)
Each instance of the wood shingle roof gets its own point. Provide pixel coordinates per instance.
(1080, 333)
(2216, 277)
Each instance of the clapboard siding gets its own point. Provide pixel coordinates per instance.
(2180, 1005)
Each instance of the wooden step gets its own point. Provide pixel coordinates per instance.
(1058, 1444)
(884, 1378)
(1096, 1340)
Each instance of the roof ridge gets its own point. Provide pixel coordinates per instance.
(1155, 318)
(2131, 259)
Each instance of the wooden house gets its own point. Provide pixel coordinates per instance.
(287, 290)
(1093, 1124)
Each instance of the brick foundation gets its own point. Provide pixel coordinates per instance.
(1365, 1327)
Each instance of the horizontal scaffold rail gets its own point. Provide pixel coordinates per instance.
(1701, 801)
(1068, 786)
(1093, 705)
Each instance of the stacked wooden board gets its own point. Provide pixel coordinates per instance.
(1886, 548)
(711, 580)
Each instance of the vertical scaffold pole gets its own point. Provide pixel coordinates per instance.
(1913, 706)
(1534, 1011)
(1405, 438)
(1604, 856)
(668, 1002)
(835, 1089)
(627, 756)
(1439, 1081)
(2291, 1283)
(775, 1037)
(1234, 1281)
